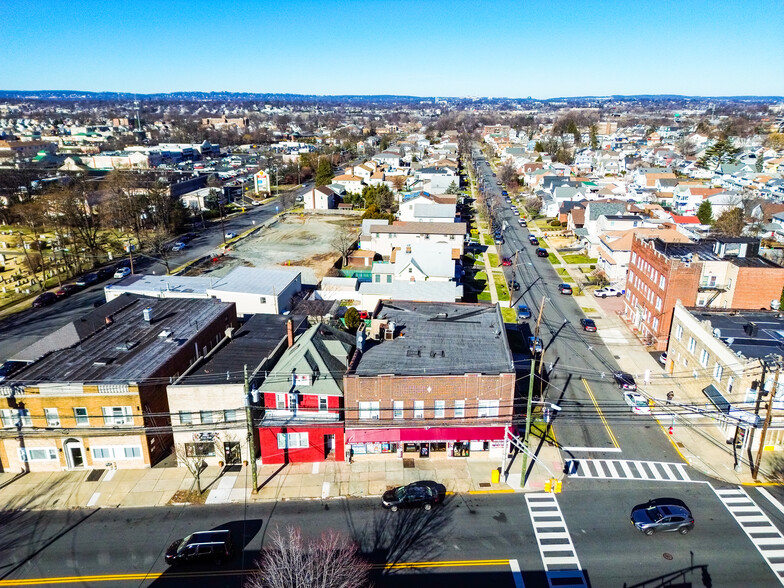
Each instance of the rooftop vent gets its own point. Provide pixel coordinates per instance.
(101, 361)
(147, 313)
(165, 334)
(750, 329)
(127, 345)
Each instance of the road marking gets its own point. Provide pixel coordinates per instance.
(763, 533)
(601, 414)
(594, 449)
(772, 500)
(516, 575)
(617, 469)
(325, 490)
(561, 564)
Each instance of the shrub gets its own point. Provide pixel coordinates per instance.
(554, 223)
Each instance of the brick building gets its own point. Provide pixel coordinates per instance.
(431, 379)
(95, 392)
(721, 272)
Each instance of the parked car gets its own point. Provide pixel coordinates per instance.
(637, 402)
(422, 494)
(188, 237)
(523, 312)
(516, 212)
(178, 246)
(506, 261)
(122, 272)
(625, 381)
(533, 240)
(541, 252)
(607, 291)
(499, 240)
(662, 515)
(44, 299)
(203, 546)
(9, 368)
(535, 345)
(588, 325)
(105, 273)
(565, 289)
(663, 358)
(87, 280)
(522, 222)
(514, 285)
(67, 290)
(231, 235)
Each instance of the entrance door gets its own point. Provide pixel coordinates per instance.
(74, 454)
(329, 445)
(231, 450)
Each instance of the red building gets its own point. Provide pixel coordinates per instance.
(303, 399)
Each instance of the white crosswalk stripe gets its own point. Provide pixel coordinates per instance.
(555, 544)
(758, 527)
(619, 469)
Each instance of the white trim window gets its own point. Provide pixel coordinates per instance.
(397, 409)
(292, 440)
(368, 410)
(52, 418)
(117, 415)
(419, 409)
(80, 416)
(459, 409)
(186, 417)
(692, 345)
(117, 452)
(704, 357)
(12, 416)
(718, 371)
(439, 409)
(488, 408)
(37, 454)
(8, 417)
(280, 401)
(678, 332)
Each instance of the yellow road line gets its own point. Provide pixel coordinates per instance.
(672, 441)
(498, 491)
(601, 414)
(174, 575)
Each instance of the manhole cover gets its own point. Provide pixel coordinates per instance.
(667, 555)
(95, 475)
(484, 484)
(679, 444)
(408, 463)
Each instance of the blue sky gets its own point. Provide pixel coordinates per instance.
(539, 48)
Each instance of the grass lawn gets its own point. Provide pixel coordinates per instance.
(578, 258)
(494, 260)
(587, 310)
(487, 240)
(567, 280)
(500, 287)
(553, 259)
(561, 271)
(509, 314)
(484, 296)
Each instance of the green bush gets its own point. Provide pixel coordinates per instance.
(555, 223)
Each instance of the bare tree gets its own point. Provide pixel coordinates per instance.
(190, 456)
(160, 245)
(290, 561)
(398, 182)
(343, 241)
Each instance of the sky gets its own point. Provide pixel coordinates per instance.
(538, 48)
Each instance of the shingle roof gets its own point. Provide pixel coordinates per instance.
(414, 228)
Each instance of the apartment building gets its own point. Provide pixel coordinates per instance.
(403, 235)
(721, 272)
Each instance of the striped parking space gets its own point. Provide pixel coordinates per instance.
(619, 469)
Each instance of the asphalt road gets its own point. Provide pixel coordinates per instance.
(467, 542)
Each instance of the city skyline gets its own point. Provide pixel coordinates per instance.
(589, 48)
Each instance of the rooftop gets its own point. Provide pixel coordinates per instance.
(733, 330)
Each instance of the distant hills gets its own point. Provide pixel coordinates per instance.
(65, 95)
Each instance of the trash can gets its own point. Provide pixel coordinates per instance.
(495, 476)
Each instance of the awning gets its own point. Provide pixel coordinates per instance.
(425, 434)
(716, 398)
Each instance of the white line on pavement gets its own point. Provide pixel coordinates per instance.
(597, 449)
(518, 577)
(769, 496)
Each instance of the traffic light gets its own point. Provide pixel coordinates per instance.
(557, 486)
(548, 485)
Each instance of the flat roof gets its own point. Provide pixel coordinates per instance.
(769, 338)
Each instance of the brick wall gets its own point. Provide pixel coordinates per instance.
(756, 287)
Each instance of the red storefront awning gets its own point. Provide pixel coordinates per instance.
(430, 434)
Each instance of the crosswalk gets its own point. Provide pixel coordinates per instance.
(620, 469)
(555, 544)
(758, 527)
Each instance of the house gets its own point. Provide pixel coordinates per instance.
(321, 198)
(422, 210)
(254, 290)
(614, 250)
(352, 184)
(388, 158)
(431, 380)
(404, 235)
(721, 272)
(720, 358)
(95, 390)
(303, 399)
(208, 402)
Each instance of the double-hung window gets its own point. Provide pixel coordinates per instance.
(397, 409)
(419, 409)
(459, 409)
(488, 408)
(292, 440)
(368, 410)
(117, 415)
(80, 415)
(52, 418)
(439, 409)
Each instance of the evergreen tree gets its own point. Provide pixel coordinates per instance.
(722, 151)
(594, 138)
(324, 173)
(705, 212)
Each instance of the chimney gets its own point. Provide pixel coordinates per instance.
(290, 332)
(147, 313)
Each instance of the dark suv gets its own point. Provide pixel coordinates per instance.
(203, 546)
(662, 514)
(423, 494)
(625, 381)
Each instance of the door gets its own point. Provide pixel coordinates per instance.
(231, 450)
(74, 454)
(329, 445)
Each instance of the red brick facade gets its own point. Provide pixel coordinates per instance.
(757, 286)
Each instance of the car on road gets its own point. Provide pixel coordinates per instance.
(533, 240)
(522, 222)
(499, 240)
(87, 280)
(45, 299)
(121, 272)
(588, 325)
(506, 261)
(514, 285)
(663, 358)
(523, 312)
(231, 235)
(515, 212)
(625, 381)
(203, 546)
(67, 290)
(565, 289)
(105, 273)
(637, 402)
(179, 246)
(9, 368)
(535, 345)
(662, 515)
(607, 291)
(541, 252)
(188, 237)
(423, 494)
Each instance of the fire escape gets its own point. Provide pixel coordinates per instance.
(711, 286)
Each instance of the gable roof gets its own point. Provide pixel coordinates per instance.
(417, 228)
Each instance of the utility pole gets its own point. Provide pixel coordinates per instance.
(249, 420)
(755, 471)
(760, 392)
(530, 394)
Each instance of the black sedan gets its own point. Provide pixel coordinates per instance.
(45, 299)
(625, 381)
(661, 515)
(424, 494)
(588, 325)
(514, 285)
(88, 280)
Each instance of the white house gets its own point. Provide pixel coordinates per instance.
(353, 184)
(320, 198)
(405, 235)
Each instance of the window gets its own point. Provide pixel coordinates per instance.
(419, 409)
(678, 332)
(132, 452)
(37, 453)
(128, 451)
(704, 357)
(397, 409)
(438, 409)
(368, 410)
(23, 415)
(102, 452)
(8, 417)
(658, 303)
(459, 409)
(655, 324)
(692, 345)
(730, 382)
(389, 278)
(200, 450)
(117, 415)
(717, 371)
(488, 408)
(205, 416)
(280, 401)
(323, 403)
(662, 282)
(52, 418)
(80, 414)
(230, 415)
(292, 440)
(378, 277)
(262, 300)
(186, 418)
